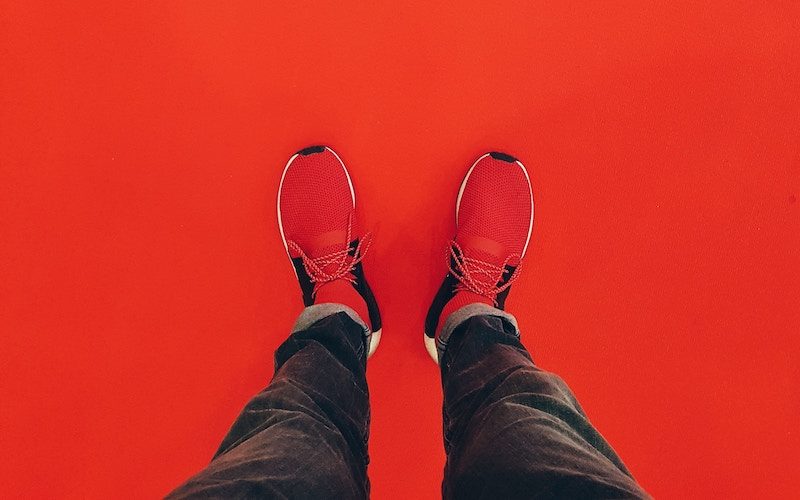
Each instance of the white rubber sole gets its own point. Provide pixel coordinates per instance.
(373, 343)
(430, 346)
(430, 343)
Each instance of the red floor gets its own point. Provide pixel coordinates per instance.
(143, 285)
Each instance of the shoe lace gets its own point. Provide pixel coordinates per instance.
(478, 276)
(319, 268)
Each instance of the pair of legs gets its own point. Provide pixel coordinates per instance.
(511, 430)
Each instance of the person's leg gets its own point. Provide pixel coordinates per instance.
(512, 430)
(305, 435)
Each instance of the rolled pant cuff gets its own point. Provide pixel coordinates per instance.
(312, 314)
(463, 314)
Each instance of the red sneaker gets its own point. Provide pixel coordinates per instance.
(494, 219)
(317, 221)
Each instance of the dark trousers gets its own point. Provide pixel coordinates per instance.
(511, 430)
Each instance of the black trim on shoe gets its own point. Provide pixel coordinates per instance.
(502, 296)
(363, 289)
(311, 150)
(306, 286)
(443, 296)
(448, 289)
(361, 286)
(502, 157)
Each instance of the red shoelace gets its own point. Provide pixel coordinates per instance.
(320, 269)
(479, 276)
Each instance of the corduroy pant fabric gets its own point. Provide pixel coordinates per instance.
(511, 430)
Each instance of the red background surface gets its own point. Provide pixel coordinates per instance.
(144, 287)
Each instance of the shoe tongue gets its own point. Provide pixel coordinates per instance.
(478, 247)
(327, 244)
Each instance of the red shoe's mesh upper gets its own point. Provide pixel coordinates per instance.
(316, 204)
(495, 212)
(317, 214)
